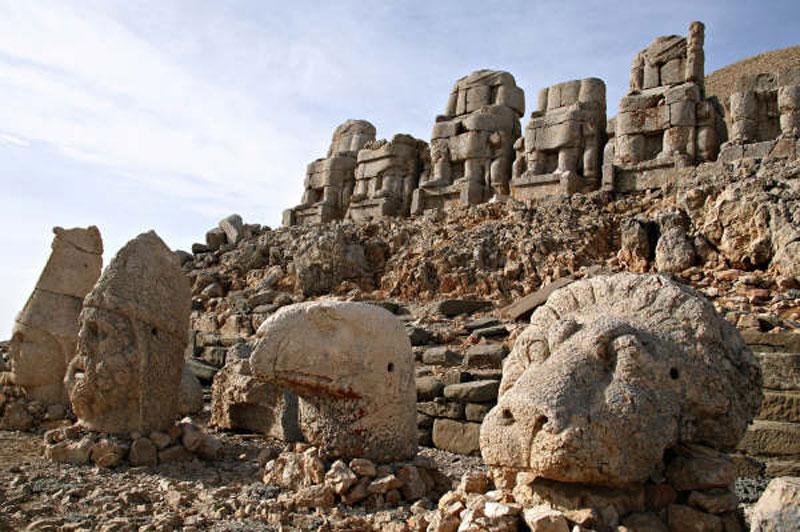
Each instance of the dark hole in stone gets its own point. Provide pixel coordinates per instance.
(390, 367)
(154, 331)
(673, 373)
(507, 414)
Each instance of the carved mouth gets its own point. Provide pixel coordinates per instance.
(315, 385)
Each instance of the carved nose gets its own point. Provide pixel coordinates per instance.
(506, 417)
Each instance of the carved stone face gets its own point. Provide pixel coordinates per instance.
(119, 382)
(102, 380)
(612, 372)
(601, 405)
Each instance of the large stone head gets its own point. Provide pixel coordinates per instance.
(612, 372)
(45, 331)
(352, 366)
(127, 372)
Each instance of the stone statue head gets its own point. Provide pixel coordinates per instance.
(612, 372)
(127, 371)
(45, 331)
(351, 365)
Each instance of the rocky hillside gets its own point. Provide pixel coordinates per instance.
(731, 231)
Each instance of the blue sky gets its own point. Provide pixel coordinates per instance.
(170, 115)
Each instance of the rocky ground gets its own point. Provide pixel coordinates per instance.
(226, 494)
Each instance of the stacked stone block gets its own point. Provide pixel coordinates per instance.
(472, 145)
(562, 147)
(457, 386)
(665, 121)
(329, 182)
(774, 436)
(764, 116)
(386, 175)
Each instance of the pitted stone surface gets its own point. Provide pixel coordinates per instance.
(351, 363)
(127, 372)
(610, 373)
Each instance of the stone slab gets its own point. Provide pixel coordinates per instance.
(780, 371)
(457, 437)
(771, 438)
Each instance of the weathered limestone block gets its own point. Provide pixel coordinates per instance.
(241, 402)
(126, 374)
(352, 365)
(472, 144)
(456, 436)
(765, 107)
(46, 330)
(612, 372)
(191, 393)
(563, 143)
(330, 181)
(779, 506)
(387, 173)
(664, 121)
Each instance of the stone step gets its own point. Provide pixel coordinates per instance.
(457, 436)
(780, 370)
(771, 438)
(780, 406)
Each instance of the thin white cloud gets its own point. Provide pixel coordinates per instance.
(84, 83)
(14, 140)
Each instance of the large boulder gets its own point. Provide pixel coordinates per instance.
(126, 374)
(351, 363)
(46, 331)
(613, 371)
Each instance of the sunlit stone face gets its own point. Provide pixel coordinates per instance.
(103, 379)
(612, 372)
(596, 403)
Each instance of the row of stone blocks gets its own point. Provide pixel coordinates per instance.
(478, 149)
(774, 436)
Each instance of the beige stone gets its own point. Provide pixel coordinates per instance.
(46, 330)
(459, 437)
(127, 372)
(352, 365)
(563, 144)
(330, 181)
(386, 175)
(664, 122)
(608, 376)
(239, 401)
(778, 508)
(472, 144)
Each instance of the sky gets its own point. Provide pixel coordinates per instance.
(171, 114)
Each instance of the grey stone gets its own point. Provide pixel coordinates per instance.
(485, 356)
(473, 392)
(441, 356)
(428, 387)
(454, 307)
